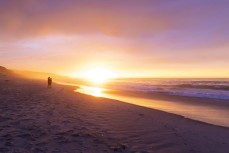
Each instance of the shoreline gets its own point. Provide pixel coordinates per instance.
(198, 121)
(36, 119)
(190, 107)
(119, 101)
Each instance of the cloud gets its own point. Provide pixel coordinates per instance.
(30, 18)
(136, 33)
(178, 21)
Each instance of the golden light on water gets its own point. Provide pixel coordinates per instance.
(94, 91)
(97, 92)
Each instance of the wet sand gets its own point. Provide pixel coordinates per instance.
(36, 119)
(210, 111)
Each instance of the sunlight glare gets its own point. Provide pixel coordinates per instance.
(97, 92)
(94, 91)
(98, 75)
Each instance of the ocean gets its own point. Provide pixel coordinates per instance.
(201, 88)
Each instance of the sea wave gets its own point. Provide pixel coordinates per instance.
(213, 89)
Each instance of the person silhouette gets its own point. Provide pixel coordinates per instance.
(49, 82)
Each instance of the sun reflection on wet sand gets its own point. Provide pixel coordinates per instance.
(97, 92)
(94, 91)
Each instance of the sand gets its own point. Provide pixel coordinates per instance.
(36, 119)
(189, 107)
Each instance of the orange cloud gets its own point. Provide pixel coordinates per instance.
(130, 34)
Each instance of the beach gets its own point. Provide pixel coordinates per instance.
(34, 118)
(212, 111)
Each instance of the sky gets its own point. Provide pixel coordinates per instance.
(133, 38)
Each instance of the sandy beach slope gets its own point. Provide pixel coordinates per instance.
(36, 119)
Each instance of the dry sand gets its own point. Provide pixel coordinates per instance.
(36, 119)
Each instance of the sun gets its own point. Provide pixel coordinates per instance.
(98, 75)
